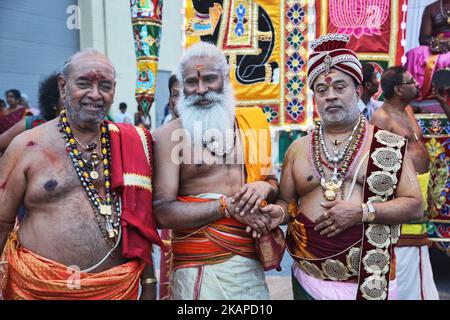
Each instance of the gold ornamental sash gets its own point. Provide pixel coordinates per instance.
(383, 174)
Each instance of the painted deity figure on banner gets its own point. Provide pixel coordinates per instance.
(243, 30)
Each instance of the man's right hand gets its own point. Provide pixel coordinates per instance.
(258, 223)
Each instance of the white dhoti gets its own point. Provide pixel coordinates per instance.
(414, 274)
(238, 278)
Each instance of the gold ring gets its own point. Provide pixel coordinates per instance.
(333, 228)
(326, 215)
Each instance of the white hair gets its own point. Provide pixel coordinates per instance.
(204, 50)
(66, 68)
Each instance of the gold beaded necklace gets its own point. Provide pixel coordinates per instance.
(102, 206)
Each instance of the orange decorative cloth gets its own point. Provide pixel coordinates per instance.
(255, 134)
(31, 277)
(131, 178)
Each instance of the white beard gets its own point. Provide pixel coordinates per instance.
(204, 123)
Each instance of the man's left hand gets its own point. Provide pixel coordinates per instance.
(250, 197)
(340, 215)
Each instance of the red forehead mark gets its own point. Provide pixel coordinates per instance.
(95, 75)
(199, 67)
(328, 79)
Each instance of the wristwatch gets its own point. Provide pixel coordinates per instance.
(371, 214)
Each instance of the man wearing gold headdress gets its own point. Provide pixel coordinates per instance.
(338, 185)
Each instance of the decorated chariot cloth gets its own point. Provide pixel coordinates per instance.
(422, 63)
(436, 131)
(31, 277)
(362, 254)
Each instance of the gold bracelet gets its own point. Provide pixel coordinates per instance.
(149, 281)
(283, 212)
(224, 208)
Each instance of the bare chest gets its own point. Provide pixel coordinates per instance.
(202, 171)
(211, 178)
(309, 172)
(52, 177)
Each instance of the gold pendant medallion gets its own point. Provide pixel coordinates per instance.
(94, 175)
(330, 189)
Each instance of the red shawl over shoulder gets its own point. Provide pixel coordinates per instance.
(131, 169)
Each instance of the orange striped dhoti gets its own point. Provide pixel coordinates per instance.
(31, 277)
(212, 244)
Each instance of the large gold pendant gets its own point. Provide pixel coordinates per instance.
(330, 195)
(94, 175)
(448, 20)
(330, 189)
(105, 210)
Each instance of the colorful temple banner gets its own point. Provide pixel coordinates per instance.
(436, 130)
(146, 18)
(376, 27)
(265, 42)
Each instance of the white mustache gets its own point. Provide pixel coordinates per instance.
(193, 99)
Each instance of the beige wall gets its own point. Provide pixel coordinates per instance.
(106, 26)
(172, 35)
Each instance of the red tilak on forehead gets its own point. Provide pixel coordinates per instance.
(95, 75)
(328, 79)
